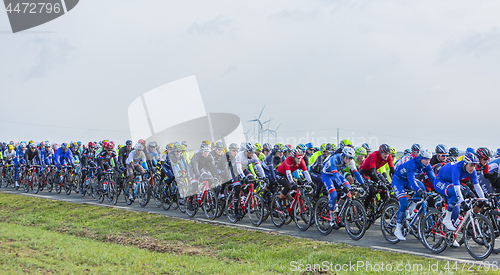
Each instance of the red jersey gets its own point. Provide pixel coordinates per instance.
(374, 160)
(289, 164)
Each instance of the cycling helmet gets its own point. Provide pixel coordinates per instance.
(483, 152)
(47, 144)
(177, 148)
(277, 148)
(267, 147)
(384, 148)
(233, 146)
(498, 152)
(297, 153)
(407, 151)
(4, 144)
(281, 147)
(442, 149)
(470, 158)
(451, 159)
(152, 144)
(453, 152)
(142, 141)
(301, 146)
(32, 145)
(206, 142)
(258, 147)
(348, 152)
(345, 142)
(309, 145)
(393, 151)
(128, 142)
(323, 147)
(74, 145)
(111, 145)
(22, 145)
(91, 144)
(10, 147)
(79, 143)
(31, 142)
(184, 143)
(288, 148)
(219, 145)
(138, 147)
(415, 147)
(425, 154)
(205, 147)
(64, 145)
(361, 151)
(41, 144)
(366, 146)
(169, 146)
(470, 150)
(250, 148)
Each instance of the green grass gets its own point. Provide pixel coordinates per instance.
(93, 239)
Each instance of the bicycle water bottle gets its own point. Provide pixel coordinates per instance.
(105, 184)
(243, 199)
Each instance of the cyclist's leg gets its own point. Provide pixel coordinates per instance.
(398, 185)
(283, 180)
(316, 178)
(332, 195)
(447, 189)
(368, 187)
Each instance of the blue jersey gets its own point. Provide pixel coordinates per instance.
(334, 164)
(60, 156)
(46, 155)
(413, 168)
(20, 154)
(454, 172)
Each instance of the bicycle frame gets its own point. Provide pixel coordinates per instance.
(250, 196)
(294, 201)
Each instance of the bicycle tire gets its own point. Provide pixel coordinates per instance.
(303, 213)
(99, 196)
(210, 205)
(255, 210)
(354, 217)
(35, 181)
(181, 203)
(58, 184)
(166, 199)
(278, 216)
(157, 194)
(473, 241)
(388, 222)
(429, 225)
(50, 181)
(495, 221)
(112, 193)
(321, 211)
(194, 202)
(67, 186)
(230, 211)
(143, 193)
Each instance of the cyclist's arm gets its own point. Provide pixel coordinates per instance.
(477, 187)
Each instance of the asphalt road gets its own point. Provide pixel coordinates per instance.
(373, 238)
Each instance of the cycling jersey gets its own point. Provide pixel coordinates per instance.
(60, 157)
(46, 155)
(289, 166)
(123, 155)
(199, 162)
(241, 160)
(452, 173)
(33, 157)
(336, 163)
(9, 156)
(374, 160)
(133, 159)
(104, 159)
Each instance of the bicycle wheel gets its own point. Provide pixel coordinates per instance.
(91, 187)
(432, 231)
(495, 221)
(112, 193)
(221, 201)
(67, 184)
(388, 222)
(173, 194)
(126, 194)
(181, 203)
(210, 205)
(50, 181)
(279, 215)
(479, 237)
(75, 182)
(255, 210)
(303, 213)
(230, 211)
(165, 197)
(143, 193)
(58, 184)
(26, 183)
(322, 216)
(157, 193)
(192, 200)
(354, 217)
(35, 181)
(99, 191)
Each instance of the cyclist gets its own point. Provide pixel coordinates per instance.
(288, 151)
(242, 160)
(266, 149)
(269, 171)
(284, 172)
(136, 161)
(450, 176)
(19, 160)
(217, 152)
(343, 143)
(441, 154)
(405, 177)
(47, 153)
(415, 150)
(407, 152)
(326, 148)
(105, 157)
(367, 147)
(75, 152)
(123, 154)
(370, 166)
(317, 166)
(9, 155)
(61, 156)
(33, 156)
(88, 160)
(453, 152)
(279, 157)
(332, 178)
(153, 153)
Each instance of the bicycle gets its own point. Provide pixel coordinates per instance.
(477, 231)
(139, 186)
(7, 175)
(109, 186)
(251, 203)
(352, 214)
(31, 179)
(379, 202)
(299, 208)
(490, 211)
(410, 223)
(207, 200)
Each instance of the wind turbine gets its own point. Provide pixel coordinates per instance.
(246, 134)
(261, 124)
(274, 132)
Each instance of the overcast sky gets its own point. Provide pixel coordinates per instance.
(398, 71)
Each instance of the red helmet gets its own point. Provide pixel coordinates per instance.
(91, 144)
(109, 145)
(297, 153)
(143, 142)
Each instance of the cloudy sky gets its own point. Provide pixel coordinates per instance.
(399, 72)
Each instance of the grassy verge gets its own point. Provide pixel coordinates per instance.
(61, 237)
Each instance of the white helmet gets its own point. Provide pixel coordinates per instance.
(348, 152)
(425, 154)
(138, 147)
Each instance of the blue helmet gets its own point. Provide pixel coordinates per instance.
(416, 147)
(407, 151)
(498, 152)
(309, 145)
(470, 150)
(442, 149)
(366, 146)
(301, 146)
(454, 152)
(470, 158)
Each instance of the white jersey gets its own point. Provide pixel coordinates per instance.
(134, 159)
(241, 160)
